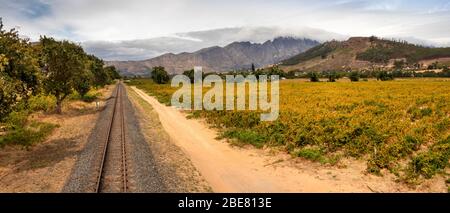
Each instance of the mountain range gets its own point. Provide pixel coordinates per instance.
(234, 56)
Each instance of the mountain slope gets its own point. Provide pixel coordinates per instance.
(361, 53)
(237, 55)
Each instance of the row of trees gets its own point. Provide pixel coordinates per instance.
(160, 76)
(49, 66)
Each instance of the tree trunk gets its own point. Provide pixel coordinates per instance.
(58, 106)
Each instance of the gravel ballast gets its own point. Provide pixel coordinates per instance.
(142, 171)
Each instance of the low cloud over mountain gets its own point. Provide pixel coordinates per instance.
(235, 56)
(192, 41)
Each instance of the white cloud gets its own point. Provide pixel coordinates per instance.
(106, 20)
(193, 41)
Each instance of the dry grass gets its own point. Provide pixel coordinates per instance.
(44, 167)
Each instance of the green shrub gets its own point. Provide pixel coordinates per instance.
(433, 161)
(385, 76)
(90, 96)
(42, 103)
(354, 76)
(27, 136)
(246, 136)
(387, 156)
(314, 77)
(317, 155)
(16, 120)
(314, 154)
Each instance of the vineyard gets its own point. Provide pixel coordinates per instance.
(402, 126)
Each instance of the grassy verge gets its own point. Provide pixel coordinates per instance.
(20, 131)
(17, 129)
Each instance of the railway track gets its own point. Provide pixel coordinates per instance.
(112, 173)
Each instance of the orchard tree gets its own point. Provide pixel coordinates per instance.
(332, 76)
(112, 73)
(83, 81)
(314, 77)
(63, 64)
(189, 74)
(96, 66)
(19, 70)
(354, 76)
(159, 75)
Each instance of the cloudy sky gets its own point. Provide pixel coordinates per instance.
(129, 25)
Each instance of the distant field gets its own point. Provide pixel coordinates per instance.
(402, 125)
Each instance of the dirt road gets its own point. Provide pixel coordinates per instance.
(232, 169)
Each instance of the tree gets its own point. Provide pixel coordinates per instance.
(112, 72)
(83, 82)
(253, 68)
(19, 70)
(189, 74)
(159, 75)
(433, 66)
(445, 69)
(314, 77)
(354, 76)
(385, 76)
(63, 63)
(332, 76)
(100, 76)
(275, 70)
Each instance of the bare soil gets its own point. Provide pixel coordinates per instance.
(233, 169)
(45, 167)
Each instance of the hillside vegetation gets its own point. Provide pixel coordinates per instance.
(361, 53)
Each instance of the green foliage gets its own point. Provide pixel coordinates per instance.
(190, 74)
(332, 76)
(319, 51)
(386, 157)
(385, 76)
(378, 54)
(435, 160)
(354, 76)
(246, 136)
(64, 62)
(16, 119)
(314, 77)
(36, 132)
(68, 68)
(159, 75)
(82, 82)
(100, 77)
(90, 96)
(314, 154)
(275, 70)
(21, 132)
(384, 50)
(112, 72)
(41, 102)
(19, 71)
